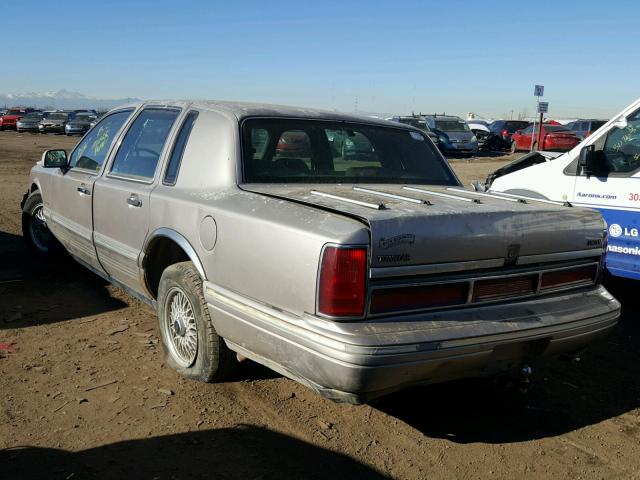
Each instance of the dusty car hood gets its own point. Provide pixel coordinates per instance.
(449, 229)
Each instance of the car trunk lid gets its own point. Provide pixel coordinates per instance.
(422, 224)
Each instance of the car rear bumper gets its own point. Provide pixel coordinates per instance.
(27, 128)
(51, 128)
(358, 361)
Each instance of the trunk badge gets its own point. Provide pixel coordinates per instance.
(513, 252)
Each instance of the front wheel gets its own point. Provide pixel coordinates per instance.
(191, 343)
(514, 147)
(34, 227)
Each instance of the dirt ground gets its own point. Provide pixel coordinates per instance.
(85, 394)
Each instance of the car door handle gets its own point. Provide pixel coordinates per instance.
(134, 201)
(84, 190)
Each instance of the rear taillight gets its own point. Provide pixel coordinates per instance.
(418, 297)
(505, 133)
(569, 277)
(342, 283)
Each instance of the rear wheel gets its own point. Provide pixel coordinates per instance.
(192, 345)
(34, 227)
(514, 147)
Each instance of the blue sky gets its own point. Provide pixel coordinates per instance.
(394, 57)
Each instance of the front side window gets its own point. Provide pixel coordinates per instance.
(314, 151)
(527, 130)
(142, 145)
(622, 146)
(92, 150)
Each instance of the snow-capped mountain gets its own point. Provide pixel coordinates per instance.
(62, 99)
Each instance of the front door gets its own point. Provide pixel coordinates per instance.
(68, 207)
(121, 196)
(615, 191)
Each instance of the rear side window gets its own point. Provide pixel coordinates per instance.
(171, 174)
(143, 143)
(92, 150)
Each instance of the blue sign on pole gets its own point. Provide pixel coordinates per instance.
(538, 91)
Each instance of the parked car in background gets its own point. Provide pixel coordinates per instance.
(10, 119)
(30, 122)
(80, 124)
(454, 134)
(55, 122)
(501, 131)
(418, 121)
(583, 128)
(354, 275)
(99, 115)
(553, 137)
(480, 130)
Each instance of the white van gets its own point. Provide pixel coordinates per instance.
(602, 172)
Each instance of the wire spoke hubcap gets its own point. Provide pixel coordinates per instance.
(181, 327)
(40, 233)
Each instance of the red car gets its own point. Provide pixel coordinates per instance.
(10, 119)
(554, 137)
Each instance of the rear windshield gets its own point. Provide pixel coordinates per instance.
(556, 128)
(452, 125)
(511, 127)
(314, 151)
(415, 122)
(84, 117)
(58, 116)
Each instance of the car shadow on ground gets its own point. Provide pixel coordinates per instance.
(36, 292)
(244, 452)
(565, 394)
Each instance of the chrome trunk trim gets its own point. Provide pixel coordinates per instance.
(486, 195)
(391, 195)
(374, 206)
(559, 256)
(439, 194)
(414, 270)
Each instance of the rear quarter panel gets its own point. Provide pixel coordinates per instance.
(265, 248)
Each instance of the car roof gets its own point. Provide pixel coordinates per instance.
(242, 110)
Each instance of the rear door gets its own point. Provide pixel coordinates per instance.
(122, 195)
(69, 201)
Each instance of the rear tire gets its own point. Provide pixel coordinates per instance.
(192, 346)
(34, 228)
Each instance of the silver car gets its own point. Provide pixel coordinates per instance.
(340, 251)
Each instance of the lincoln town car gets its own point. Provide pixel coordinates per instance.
(340, 251)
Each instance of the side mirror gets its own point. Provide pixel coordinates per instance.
(519, 132)
(586, 160)
(54, 159)
(434, 138)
